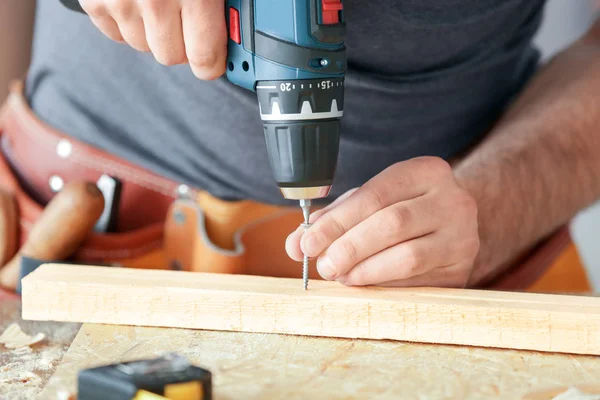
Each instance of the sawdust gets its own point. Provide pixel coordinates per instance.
(30, 361)
(22, 379)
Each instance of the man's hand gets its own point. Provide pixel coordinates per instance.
(411, 225)
(175, 31)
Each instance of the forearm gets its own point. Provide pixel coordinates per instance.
(541, 163)
(16, 25)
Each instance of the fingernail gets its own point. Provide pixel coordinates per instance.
(325, 268)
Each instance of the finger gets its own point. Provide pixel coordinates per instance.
(94, 8)
(164, 31)
(454, 276)
(292, 243)
(101, 18)
(404, 261)
(317, 214)
(108, 27)
(205, 36)
(395, 224)
(134, 34)
(400, 182)
(131, 25)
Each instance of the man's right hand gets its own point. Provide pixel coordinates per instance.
(174, 31)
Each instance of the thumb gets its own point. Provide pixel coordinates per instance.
(292, 243)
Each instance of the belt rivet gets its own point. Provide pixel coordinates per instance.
(56, 183)
(183, 190)
(64, 148)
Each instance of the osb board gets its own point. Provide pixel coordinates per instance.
(24, 372)
(259, 366)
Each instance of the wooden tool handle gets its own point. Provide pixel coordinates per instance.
(65, 222)
(60, 230)
(8, 227)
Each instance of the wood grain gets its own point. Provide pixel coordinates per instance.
(267, 366)
(555, 323)
(581, 392)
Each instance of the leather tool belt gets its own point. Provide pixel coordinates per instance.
(166, 225)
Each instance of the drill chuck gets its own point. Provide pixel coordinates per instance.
(301, 122)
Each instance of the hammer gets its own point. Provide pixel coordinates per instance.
(63, 226)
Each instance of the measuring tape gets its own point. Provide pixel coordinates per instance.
(169, 377)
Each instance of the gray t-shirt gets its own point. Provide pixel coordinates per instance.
(425, 77)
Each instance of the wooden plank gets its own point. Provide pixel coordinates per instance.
(267, 366)
(556, 323)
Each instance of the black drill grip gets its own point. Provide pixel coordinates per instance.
(73, 5)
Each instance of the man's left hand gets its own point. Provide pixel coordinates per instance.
(411, 225)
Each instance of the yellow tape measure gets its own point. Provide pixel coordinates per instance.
(170, 377)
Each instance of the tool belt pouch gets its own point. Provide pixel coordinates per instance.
(161, 224)
(34, 156)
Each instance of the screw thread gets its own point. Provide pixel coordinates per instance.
(305, 263)
(305, 272)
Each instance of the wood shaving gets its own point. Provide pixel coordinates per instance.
(576, 394)
(22, 350)
(14, 338)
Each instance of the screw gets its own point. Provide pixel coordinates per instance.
(305, 262)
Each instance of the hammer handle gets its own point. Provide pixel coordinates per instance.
(59, 231)
(65, 222)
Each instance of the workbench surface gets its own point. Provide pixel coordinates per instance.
(24, 374)
(255, 366)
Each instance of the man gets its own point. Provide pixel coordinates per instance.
(464, 151)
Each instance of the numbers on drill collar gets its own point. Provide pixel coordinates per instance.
(289, 86)
(303, 99)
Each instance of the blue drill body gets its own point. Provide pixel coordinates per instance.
(285, 20)
(292, 54)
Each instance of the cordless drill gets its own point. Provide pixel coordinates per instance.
(292, 54)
